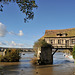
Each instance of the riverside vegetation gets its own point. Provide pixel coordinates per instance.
(73, 52)
(37, 44)
(10, 56)
(40, 43)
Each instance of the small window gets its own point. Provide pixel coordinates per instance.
(59, 41)
(54, 41)
(59, 34)
(62, 41)
(73, 41)
(51, 41)
(65, 34)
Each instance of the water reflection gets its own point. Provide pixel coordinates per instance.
(60, 59)
(24, 67)
(18, 68)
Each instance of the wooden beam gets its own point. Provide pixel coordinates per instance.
(54, 51)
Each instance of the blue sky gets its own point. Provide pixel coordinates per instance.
(50, 15)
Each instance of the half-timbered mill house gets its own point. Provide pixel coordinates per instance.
(64, 38)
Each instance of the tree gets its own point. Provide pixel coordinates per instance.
(11, 56)
(73, 52)
(26, 6)
(40, 43)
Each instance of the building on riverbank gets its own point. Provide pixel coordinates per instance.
(64, 38)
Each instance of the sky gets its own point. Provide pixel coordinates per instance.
(50, 15)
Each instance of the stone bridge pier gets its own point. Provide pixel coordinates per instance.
(45, 55)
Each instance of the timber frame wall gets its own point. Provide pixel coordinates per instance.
(61, 42)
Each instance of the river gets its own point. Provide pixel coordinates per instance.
(61, 66)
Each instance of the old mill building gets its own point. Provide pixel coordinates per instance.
(64, 38)
(59, 39)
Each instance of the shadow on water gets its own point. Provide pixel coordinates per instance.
(22, 60)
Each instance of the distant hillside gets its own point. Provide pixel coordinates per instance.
(23, 49)
(52, 33)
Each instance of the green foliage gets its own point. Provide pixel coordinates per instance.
(73, 52)
(11, 56)
(40, 43)
(26, 6)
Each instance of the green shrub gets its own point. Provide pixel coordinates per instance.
(40, 43)
(73, 52)
(11, 56)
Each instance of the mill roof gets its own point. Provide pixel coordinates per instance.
(53, 33)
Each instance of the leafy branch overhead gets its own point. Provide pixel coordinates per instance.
(26, 6)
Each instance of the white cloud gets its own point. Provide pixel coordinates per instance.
(13, 43)
(1, 43)
(20, 33)
(3, 30)
(12, 33)
(20, 44)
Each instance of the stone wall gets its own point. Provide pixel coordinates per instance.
(46, 55)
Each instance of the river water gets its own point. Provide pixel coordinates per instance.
(61, 66)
